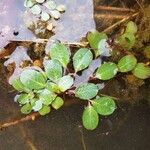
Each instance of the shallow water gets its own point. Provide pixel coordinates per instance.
(127, 129)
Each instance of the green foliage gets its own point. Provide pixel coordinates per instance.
(45, 110)
(86, 91)
(131, 27)
(61, 53)
(90, 118)
(107, 71)
(127, 63)
(82, 59)
(26, 109)
(57, 103)
(141, 71)
(104, 105)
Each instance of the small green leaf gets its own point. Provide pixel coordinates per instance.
(53, 70)
(127, 40)
(127, 63)
(104, 105)
(32, 79)
(29, 3)
(82, 59)
(53, 87)
(45, 110)
(141, 71)
(86, 91)
(65, 83)
(131, 27)
(36, 10)
(45, 16)
(16, 83)
(26, 109)
(90, 118)
(38, 105)
(47, 97)
(107, 71)
(57, 103)
(24, 98)
(61, 53)
(95, 37)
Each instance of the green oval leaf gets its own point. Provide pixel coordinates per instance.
(86, 91)
(127, 63)
(24, 98)
(107, 71)
(65, 83)
(26, 109)
(82, 59)
(61, 53)
(57, 103)
(36, 10)
(90, 118)
(45, 110)
(37, 105)
(47, 97)
(131, 27)
(141, 71)
(32, 79)
(104, 105)
(53, 87)
(53, 70)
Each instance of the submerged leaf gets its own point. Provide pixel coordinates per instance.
(107, 71)
(104, 105)
(57, 103)
(61, 53)
(53, 70)
(86, 91)
(65, 83)
(142, 71)
(127, 63)
(82, 59)
(32, 79)
(90, 118)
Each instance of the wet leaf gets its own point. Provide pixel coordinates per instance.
(53, 87)
(26, 109)
(47, 97)
(53, 70)
(45, 16)
(29, 3)
(65, 83)
(45, 110)
(32, 79)
(57, 103)
(95, 37)
(107, 71)
(24, 98)
(90, 118)
(127, 63)
(82, 59)
(36, 10)
(142, 71)
(86, 91)
(131, 27)
(37, 106)
(61, 53)
(104, 105)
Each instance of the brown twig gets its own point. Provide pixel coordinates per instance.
(109, 8)
(120, 22)
(110, 16)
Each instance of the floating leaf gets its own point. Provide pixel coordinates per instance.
(50, 5)
(37, 106)
(61, 53)
(90, 118)
(53, 87)
(65, 83)
(104, 105)
(82, 59)
(127, 63)
(24, 98)
(29, 3)
(86, 91)
(32, 79)
(36, 10)
(47, 97)
(141, 71)
(26, 109)
(45, 16)
(95, 37)
(131, 27)
(127, 40)
(16, 83)
(57, 103)
(53, 70)
(55, 14)
(45, 110)
(107, 71)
